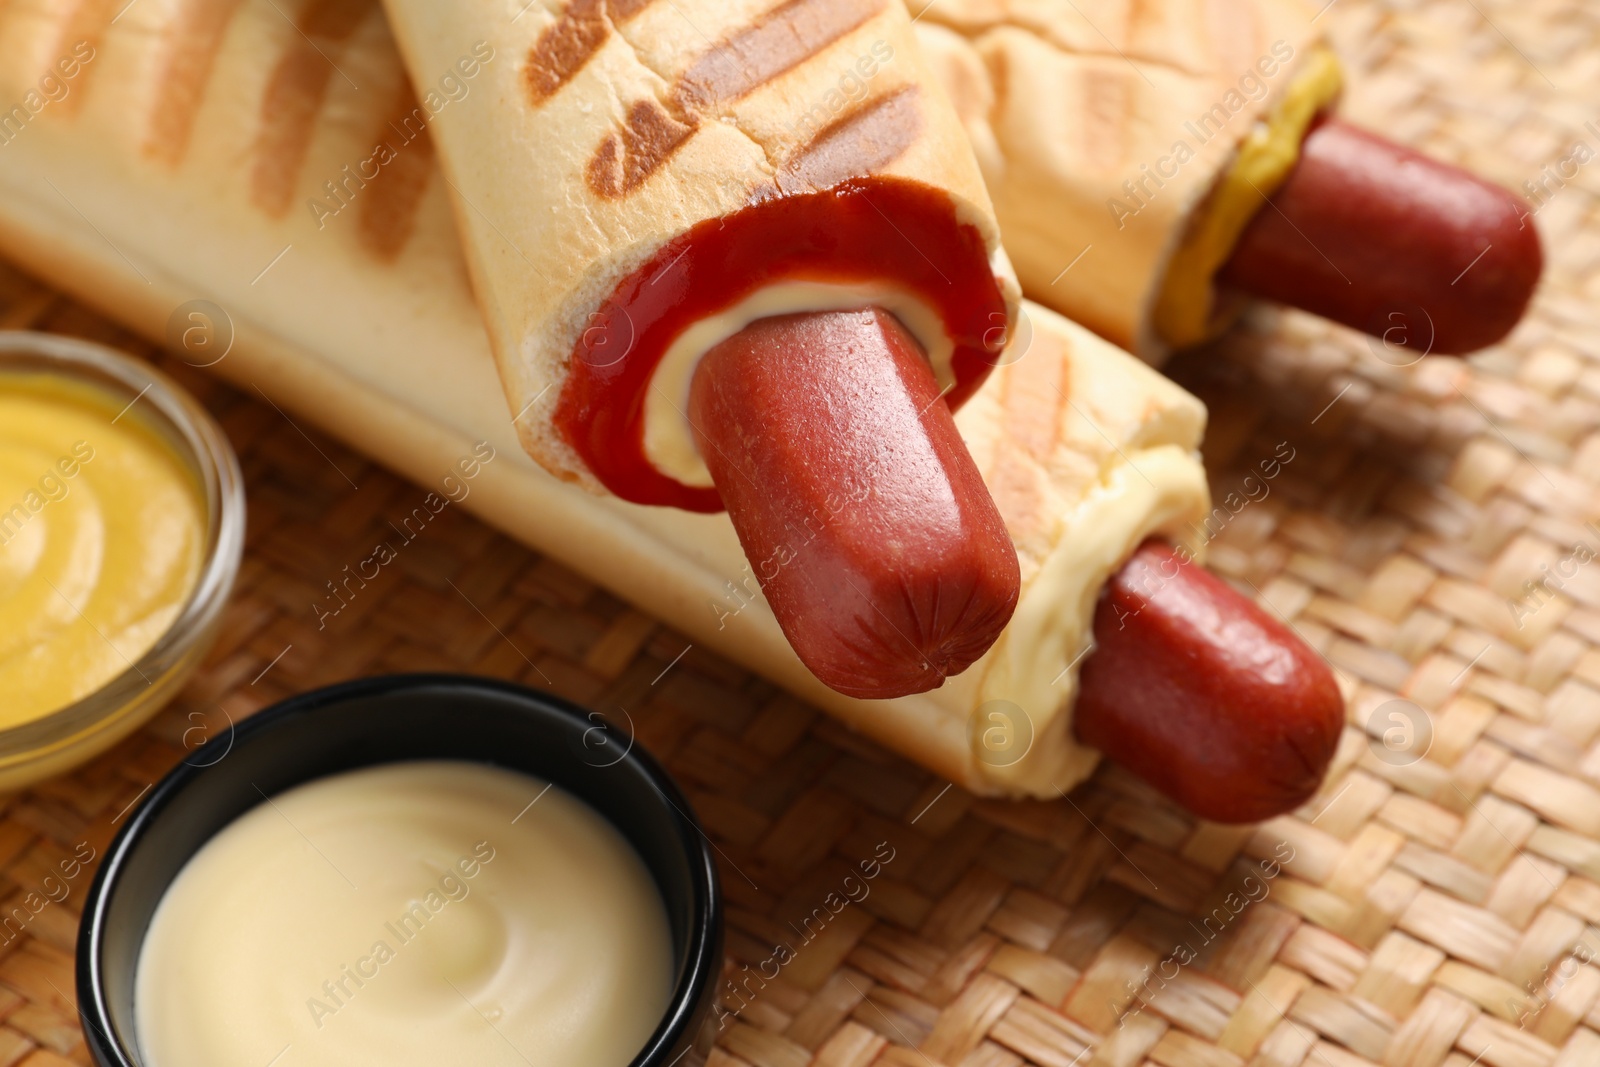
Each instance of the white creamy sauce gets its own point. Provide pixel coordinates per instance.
(668, 438)
(431, 913)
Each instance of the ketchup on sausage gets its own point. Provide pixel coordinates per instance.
(1371, 234)
(861, 512)
(1203, 695)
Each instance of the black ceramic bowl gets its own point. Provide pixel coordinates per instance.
(383, 720)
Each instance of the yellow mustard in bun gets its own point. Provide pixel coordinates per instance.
(1187, 311)
(101, 537)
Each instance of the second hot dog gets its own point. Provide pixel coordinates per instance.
(889, 568)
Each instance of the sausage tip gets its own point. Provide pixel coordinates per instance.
(1378, 237)
(1196, 690)
(865, 520)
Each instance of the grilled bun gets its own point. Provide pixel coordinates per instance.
(362, 323)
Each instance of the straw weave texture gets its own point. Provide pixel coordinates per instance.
(1438, 903)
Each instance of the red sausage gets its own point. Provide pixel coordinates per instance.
(1203, 695)
(864, 518)
(1373, 235)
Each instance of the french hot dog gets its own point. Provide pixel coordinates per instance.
(364, 324)
(689, 218)
(1147, 192)
(1202, 694)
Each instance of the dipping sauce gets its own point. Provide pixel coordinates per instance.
(102, 534)
(431, 913)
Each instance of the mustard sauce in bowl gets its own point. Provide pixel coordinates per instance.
(121, 524)
(101, 534)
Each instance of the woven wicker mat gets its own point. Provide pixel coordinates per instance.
(1439, 903)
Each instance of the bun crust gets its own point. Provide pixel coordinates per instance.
(1103, 145)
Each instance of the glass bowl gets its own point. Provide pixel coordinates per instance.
(81, 730)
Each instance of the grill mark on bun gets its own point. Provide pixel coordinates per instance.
(389, 206)
(1036, 396)
(1033, 401)
(860, 142)
(87, 22)
(626, 158)
(294, 95)
(1139, 18)
(968, 85)
(1013, 482)
(196, 37)
(778, 41)
(1107, 99)
(568, 43)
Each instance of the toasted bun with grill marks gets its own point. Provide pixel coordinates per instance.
(1067, 100)
(609, 127)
